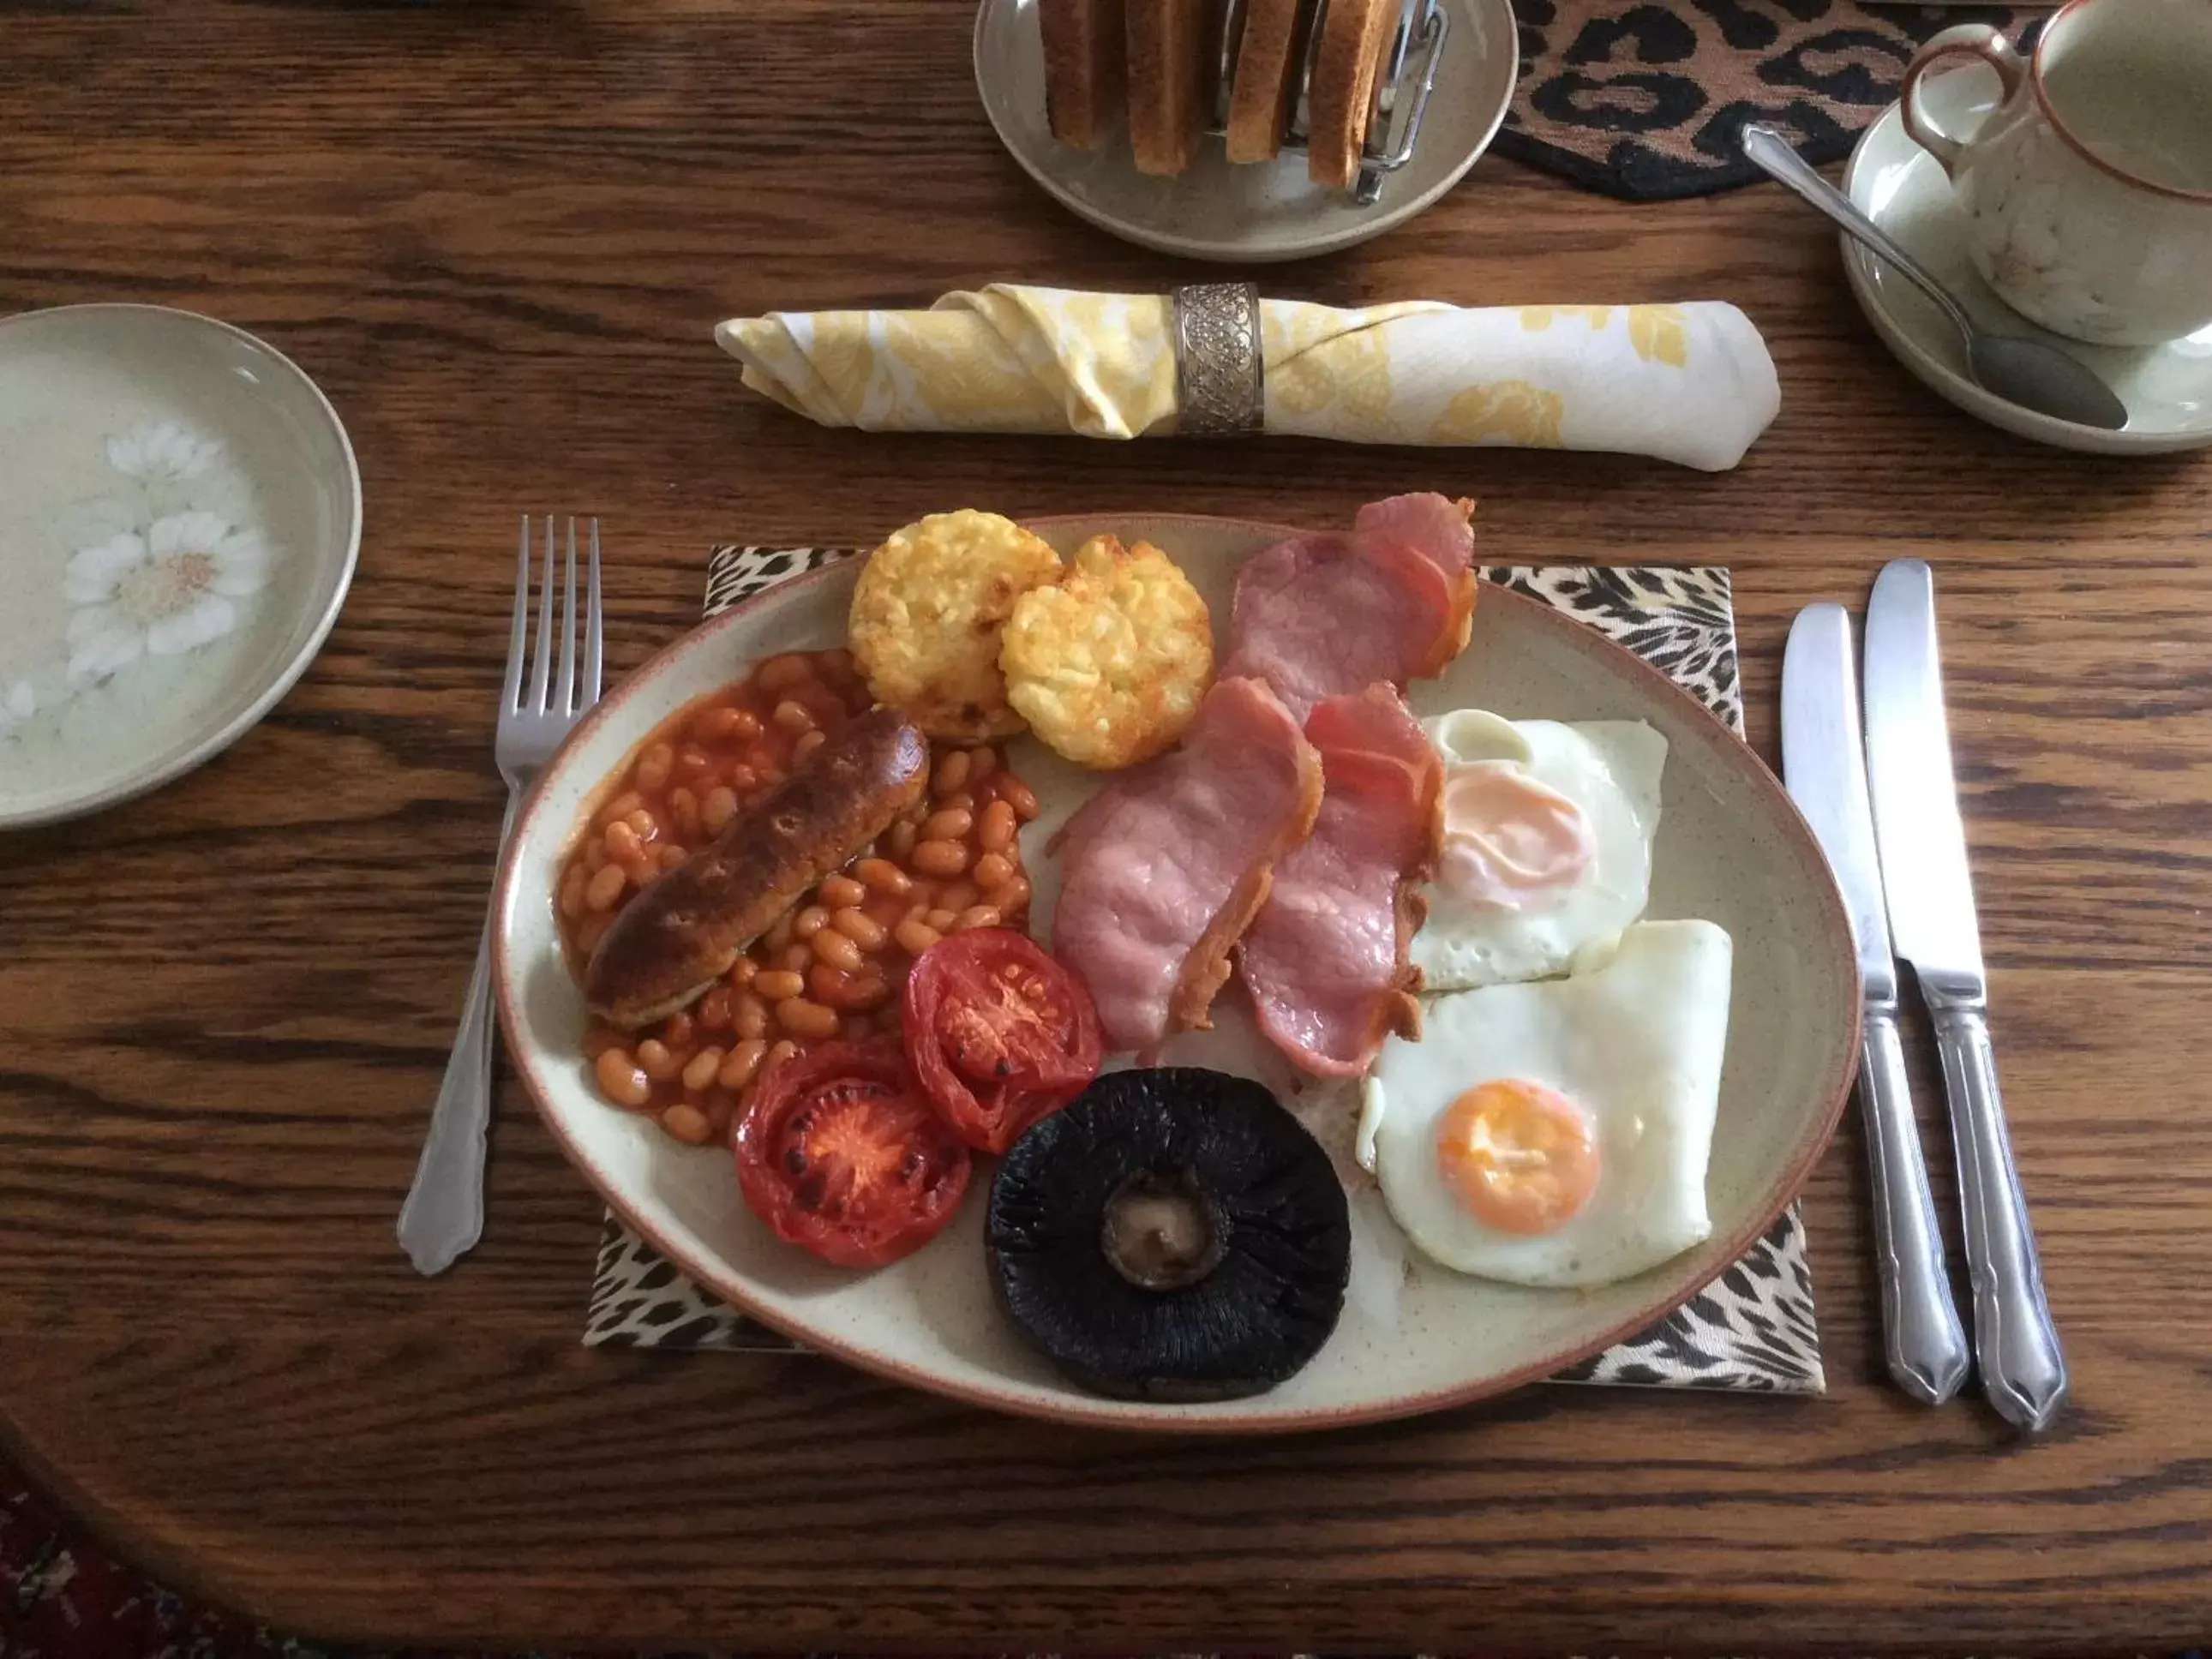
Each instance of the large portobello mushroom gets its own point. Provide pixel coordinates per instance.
(1172, 1234)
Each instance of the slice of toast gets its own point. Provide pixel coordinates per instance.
(1172, 46)
(1085, 44)
(1354, 36)
(1267, 62)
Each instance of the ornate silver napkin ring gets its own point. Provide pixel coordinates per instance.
(1220, 378)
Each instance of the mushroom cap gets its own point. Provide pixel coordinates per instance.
(1172, 1234)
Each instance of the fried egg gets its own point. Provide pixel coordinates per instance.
(1547, 843)
(1557, 1133)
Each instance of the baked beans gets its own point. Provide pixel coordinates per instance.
(740, 1063)
(687, 1123)
(833, 965)
(803, 1018)
(777, 984)
(940, 858)
(701, 1069)
(885, 877)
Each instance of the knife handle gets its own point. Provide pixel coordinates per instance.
(1923, 1338)
(2023, 1372)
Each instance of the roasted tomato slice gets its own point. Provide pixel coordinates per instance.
(999, 1034)
(841, 1153)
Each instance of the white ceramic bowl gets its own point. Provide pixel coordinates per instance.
(1730, 848)
(179, 516)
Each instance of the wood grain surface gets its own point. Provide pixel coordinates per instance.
(500, 236)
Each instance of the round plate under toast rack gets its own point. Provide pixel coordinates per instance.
(1442, 90)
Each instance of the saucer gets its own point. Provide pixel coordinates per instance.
(1264, 211)
(2167, 389)
(179, 515)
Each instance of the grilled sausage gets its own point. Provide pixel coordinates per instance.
(674, 939)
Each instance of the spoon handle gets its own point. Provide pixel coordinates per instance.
(1769, 151)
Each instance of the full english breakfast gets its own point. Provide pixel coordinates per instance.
(800, 920)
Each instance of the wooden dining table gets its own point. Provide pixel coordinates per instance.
(500, 236)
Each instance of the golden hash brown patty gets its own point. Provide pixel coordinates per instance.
(1108, 664)
(926, 616)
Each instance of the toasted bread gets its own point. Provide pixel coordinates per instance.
(1172, 44)
(1085, 44)
(1341, 100)
(1267, 61)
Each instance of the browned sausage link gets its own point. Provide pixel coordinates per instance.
(671, 941)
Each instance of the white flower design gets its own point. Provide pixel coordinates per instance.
(162, 593)
(17, 704)
(161, 451)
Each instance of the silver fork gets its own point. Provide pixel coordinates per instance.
(443, 1216)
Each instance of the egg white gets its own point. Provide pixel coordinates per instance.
(1634, 1038)
(1611, 769)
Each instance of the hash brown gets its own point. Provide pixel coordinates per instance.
(1108, 664)
(926, 615)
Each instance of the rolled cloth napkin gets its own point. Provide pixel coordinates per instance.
(1689, 383)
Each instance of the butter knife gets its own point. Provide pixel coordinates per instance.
(1823, 762)
(1931, 918)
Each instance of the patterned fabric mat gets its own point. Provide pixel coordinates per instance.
(1644, 99)
(1751, 1329)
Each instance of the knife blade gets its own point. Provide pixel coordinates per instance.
(1923, 843)
(1823, 765)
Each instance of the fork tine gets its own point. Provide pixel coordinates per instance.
(564, 697)
(541, 660)
(591, 688)
(520, 636)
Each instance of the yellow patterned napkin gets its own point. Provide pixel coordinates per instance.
(1688, 383)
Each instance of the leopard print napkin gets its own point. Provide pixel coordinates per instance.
(1644, 100)
(1751, 1329)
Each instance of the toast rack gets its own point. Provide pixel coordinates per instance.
(1421, 27)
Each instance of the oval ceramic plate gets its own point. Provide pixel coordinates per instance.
(2167, 389)
(180, 513)
(1413, 1337)
(1266, 210)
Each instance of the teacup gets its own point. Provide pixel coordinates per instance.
(2086, 193)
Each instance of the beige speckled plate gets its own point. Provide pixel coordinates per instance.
(1414, 1337)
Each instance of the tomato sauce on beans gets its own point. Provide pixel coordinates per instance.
(833, 966)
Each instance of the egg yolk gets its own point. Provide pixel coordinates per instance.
(1510, 841)
(1519, 1157)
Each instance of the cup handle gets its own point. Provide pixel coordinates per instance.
(1966, 40)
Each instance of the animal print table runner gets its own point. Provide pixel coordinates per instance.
(1751, 1329)
(1644, 99)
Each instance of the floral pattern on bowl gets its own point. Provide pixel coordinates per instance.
(179, 575)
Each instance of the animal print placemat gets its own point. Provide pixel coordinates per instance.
(1644, 99)
(1750, 1329)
